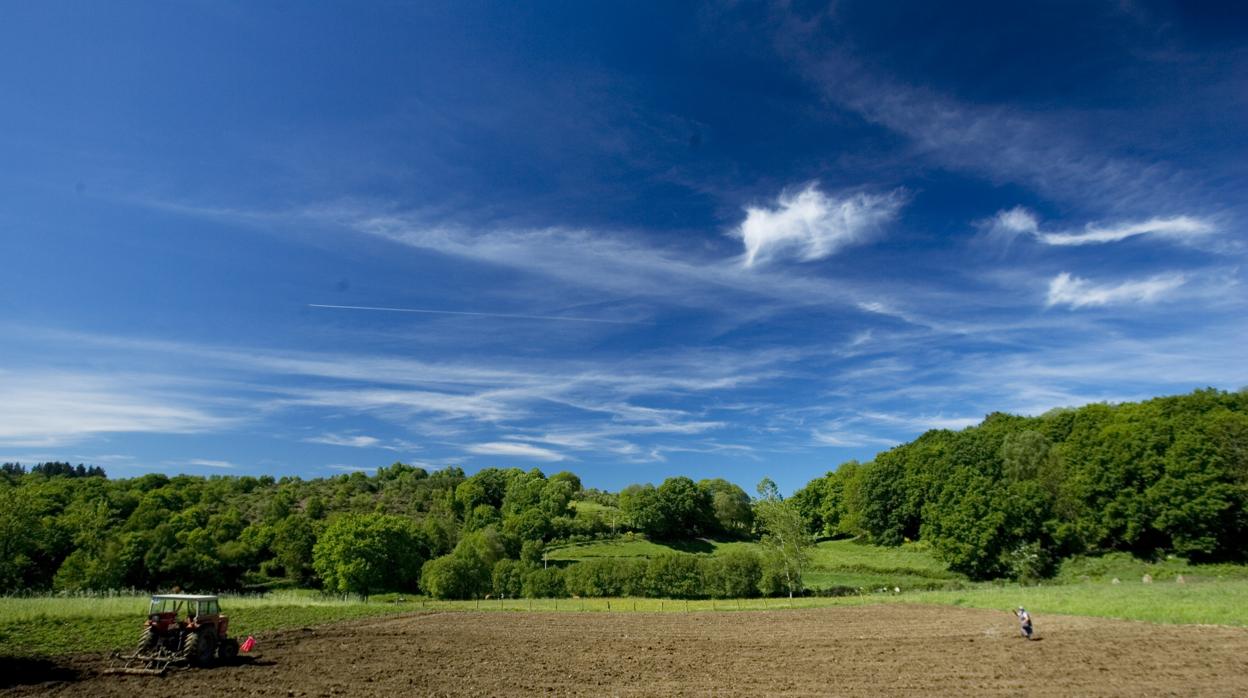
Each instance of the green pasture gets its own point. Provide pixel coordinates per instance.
(1207, 603)
(833, 564)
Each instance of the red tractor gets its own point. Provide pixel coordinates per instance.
(182, 628)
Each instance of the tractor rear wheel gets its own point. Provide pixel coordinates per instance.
(227, 651)
(147, 641)
(190, 647)
(207, 646)
(198, 647)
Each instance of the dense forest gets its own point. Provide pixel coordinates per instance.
(1010, 497)
(1014, 495)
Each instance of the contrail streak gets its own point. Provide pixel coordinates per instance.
(427, 311)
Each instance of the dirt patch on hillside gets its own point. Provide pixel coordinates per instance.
(896, 649)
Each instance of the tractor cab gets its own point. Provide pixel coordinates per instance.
(189, 611)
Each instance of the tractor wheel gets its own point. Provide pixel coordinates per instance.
(227, 651)
(207, 646)
(190, 648)
(147, 641)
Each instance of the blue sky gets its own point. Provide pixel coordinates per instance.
(629, 240)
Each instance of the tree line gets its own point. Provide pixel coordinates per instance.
(1010, 497)
(1014, 495)
(401, 529)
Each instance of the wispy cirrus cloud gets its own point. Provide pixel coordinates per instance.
(811, 224)
(1065, 289)
(461, 313)
(351, 440)
(1020, 221)
(1057, 155)
(348, 468)
(516, 450)
(208, 463)
(612, 405)
(51, 408)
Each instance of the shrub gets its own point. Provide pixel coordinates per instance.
(544, 583)
(606, 577)
(733, 574)
(674, 575)
(454, 577)
(508, 578)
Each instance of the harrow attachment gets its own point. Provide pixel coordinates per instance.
(154, 663)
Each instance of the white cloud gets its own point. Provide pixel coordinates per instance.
(210, 463)
(1008, 224)
(354, 441)
(922, 422)
(515, 449)
(350, 468)
(53, 408)
(1075, 292)
(1094, 234)
(812, 225)
(1014, 221)
(843, 439)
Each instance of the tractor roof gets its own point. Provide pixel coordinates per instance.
(185, 597)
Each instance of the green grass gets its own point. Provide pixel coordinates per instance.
(52, 625)
(1127, 568)
(1213, 602)
(839, 563)
(628, 546)
(584, 506)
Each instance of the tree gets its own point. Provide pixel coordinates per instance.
(368, 553)
(452, 577)
(294, 539)
(18, 520)
(785, 538)
(730, 506)
(640, 505)
(569, 477)
(467, 572)
(685, 507)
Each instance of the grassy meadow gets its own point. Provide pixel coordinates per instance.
(843, 564)
(1212, 594)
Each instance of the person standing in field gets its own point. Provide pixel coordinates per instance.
(1024, 622)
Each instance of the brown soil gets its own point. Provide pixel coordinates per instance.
(896, 649)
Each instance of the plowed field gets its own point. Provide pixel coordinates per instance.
(874, 650)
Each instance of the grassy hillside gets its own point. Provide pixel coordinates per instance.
(840, 563)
